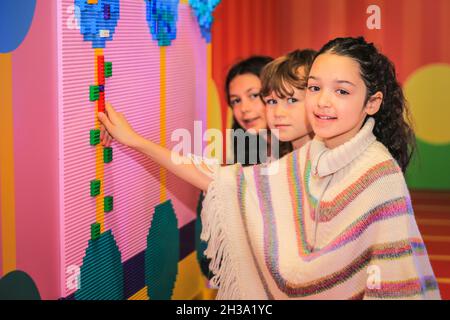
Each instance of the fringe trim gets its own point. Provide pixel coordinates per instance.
(219, 248)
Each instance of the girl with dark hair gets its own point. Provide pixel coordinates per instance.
(242, 89)
(383, 99)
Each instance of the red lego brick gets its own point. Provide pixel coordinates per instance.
(101, 102)
(101, 70)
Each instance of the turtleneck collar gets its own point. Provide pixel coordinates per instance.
(325, 161)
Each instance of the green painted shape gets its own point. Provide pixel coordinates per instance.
(108, 203)
(200, 245)
(101, 274)
(95, 188)
(94, 93)
(18, 285)
(94, 137)
(107, 154)
(162, 253)
(95, 231)
(108, 69)
(430, 167)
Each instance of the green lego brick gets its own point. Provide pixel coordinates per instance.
(95, 231)
(108, 203)
(95, 188)
(108, 69)
(107, 154)
(94, 93)
(94, 137)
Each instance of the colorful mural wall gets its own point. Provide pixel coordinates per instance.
(79, 220)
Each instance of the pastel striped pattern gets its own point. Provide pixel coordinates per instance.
(351, 272)
(241, 198)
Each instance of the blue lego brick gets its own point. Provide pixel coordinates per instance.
(203, 10)
(162, 17)
(93, 18)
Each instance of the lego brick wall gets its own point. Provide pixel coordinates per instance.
(135, 90)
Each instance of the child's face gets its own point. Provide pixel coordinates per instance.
(288, 115)
(248, 108)
(335, 99)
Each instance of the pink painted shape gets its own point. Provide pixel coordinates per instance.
(36, 152)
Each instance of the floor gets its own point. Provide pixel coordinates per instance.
(432, 211)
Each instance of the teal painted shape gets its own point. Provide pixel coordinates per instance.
(18, 285)
(430, 167)
(162, 253)
(101, 275)
(200, 245)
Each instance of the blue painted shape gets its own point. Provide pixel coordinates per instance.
(162, 17)
(15, 21)
(97, 21)
(101, 275)
(162, 253)
(203, 10)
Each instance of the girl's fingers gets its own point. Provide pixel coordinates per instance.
(105, 121)
(108, 140)
(112, 114)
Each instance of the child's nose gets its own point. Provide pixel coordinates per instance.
(324, 100)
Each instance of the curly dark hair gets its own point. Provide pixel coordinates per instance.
(393, 121)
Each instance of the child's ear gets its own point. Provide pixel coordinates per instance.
(374, 103)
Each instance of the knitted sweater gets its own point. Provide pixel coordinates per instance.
(317, 224)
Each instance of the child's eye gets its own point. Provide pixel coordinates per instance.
(313, 88)
(271, 102)
(342, 92)
(254, 96)
(292, 100)
(234, 102)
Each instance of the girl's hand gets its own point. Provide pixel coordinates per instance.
(105, 137)
(118, 127)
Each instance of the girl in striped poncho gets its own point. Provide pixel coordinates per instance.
(333, 219)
